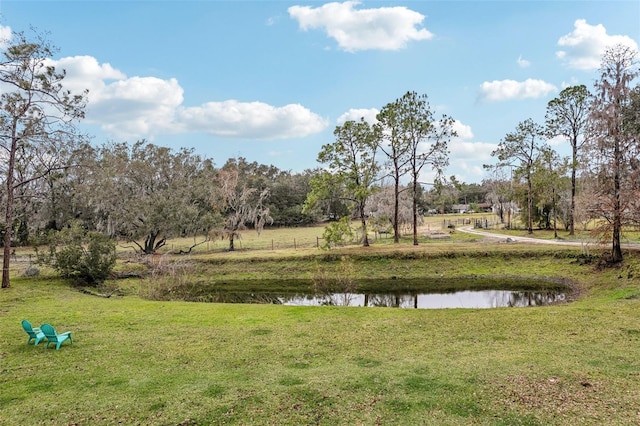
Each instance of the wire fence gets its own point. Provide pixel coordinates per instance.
(268, 244)
(478, 223)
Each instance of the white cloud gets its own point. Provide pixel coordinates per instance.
(135, 107)
(502, 90)
(384, 28)
(463, 150)
(557, 141)
(466, 156)
(84, 72)
(462, 130)
(523, 63)
(255, 120)
(572, 82)
(462, 147)
(584, 46)
(5, 36)
(356, 114)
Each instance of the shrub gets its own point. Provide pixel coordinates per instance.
(166, 281)
(337, 233)
(85, 257)
(31, 271)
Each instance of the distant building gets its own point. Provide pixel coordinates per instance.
(466, 208)
(460, 208)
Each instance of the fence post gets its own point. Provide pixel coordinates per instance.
(295, 247)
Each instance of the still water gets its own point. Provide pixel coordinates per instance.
(460, 299)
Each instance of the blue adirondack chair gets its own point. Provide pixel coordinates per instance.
(53, 337)
(35, 334)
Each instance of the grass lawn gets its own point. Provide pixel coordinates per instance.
(135, 361)
(301, 238)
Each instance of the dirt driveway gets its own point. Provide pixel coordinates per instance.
(526, 240)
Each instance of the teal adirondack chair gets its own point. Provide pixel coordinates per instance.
(53, 337)
(35, 334)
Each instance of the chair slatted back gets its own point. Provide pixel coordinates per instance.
(49, 332)
(26, 325)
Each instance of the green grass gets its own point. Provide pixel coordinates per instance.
(135, 361)
(291, 240)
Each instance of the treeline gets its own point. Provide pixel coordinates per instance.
(145, 194)
(600, 180)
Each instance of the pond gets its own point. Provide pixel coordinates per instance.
(431, 293)
(480, 299)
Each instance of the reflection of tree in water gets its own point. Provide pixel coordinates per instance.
(464, 299)
(337, 299)
(391, 300)
(525, 298)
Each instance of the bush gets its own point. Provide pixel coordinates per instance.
(85, 257)
(31, 271)
(337, 233)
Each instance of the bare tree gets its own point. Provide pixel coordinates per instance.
(500, 193)
(390, 212)
(611, 148)
(34, 109)
(631, 128)
(239, 205)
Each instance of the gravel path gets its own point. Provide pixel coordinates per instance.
(530, 240)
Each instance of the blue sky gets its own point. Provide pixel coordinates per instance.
(270, 80)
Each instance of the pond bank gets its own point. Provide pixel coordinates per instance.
(364, 271)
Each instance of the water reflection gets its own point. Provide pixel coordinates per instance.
(461, 299)
(476, 299)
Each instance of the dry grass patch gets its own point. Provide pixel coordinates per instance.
(564, 400)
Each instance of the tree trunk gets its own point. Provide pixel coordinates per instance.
(415, 211)
(396, 207)
(529, 205)
(149, 243)
(8, 217)
(555, 214)
(363, 219)
(616, 250)
(573, 188)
